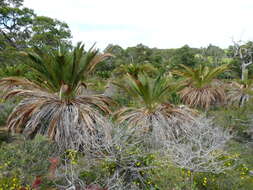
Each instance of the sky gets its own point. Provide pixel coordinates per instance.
(155, 23)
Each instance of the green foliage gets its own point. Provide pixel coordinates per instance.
(199, 88)
(167, 176)
(6, 108)
(89, 176)
(26, 158)
(170, 177)
(53, 69)
(15, 22)
(214, 55)
(184, 56)
(5, 137)
(17, 70)
(21, 28)
(200, 76)
(135, 69)
(113, 62)
(96, 84)
(151, 92)
(139, 54)
(237, 178)
(123, 99)
(10, 183)
(234, 179)
(237, 120)
(49, 32)
(104, 74)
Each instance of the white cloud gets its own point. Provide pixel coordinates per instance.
(160, 23)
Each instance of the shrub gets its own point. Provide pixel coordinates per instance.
(5, 109)
(26, 159)
(237, 120)
(124, 162)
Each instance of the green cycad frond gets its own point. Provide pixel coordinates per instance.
(53, 69)
(153, 112)
(135, 69)
(202, 75)
(199, 87)
(150, 92)
(15, 70)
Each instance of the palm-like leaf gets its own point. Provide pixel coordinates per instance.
(51, 103)
(154, 111)
(135, 69)
(76, 65)
(150, 92)
(201, 89)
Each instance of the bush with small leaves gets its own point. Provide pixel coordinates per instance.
(26, 159)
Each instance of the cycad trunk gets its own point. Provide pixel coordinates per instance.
(244, 75)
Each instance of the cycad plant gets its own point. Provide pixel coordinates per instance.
(135, 69)
(152, 111)
(53, 101)
(201, 89)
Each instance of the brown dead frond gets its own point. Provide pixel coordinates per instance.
(203, 97)
(163, 123)
(53, 102)
(72, 124)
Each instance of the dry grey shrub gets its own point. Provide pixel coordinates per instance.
(75, 133)
(124, 151)
(67, 176)
(122, 154)
(201, 148)
(166, 128)
(162, 124)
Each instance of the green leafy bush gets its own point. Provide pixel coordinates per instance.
(237, 119)
(5, 109)
(26, 159)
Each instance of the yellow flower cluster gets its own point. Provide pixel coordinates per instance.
(244, 171)
(10, 184)
(72, 156)
(5, 165)
(204, 181)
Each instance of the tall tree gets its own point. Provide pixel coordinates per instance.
(139, 54)
(21, 28)
(49, 32)
(15, 23)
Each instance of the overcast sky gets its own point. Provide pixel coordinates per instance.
(155, 23)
